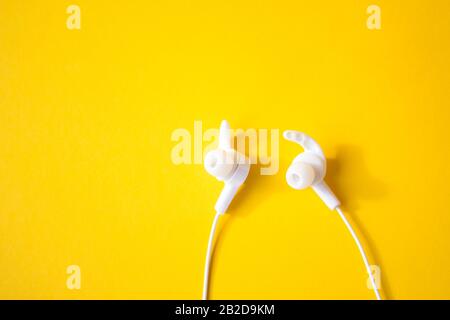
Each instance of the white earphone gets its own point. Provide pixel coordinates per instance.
(308, 169)
(227, 165)
(231, 167)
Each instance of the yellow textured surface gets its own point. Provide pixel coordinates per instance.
(86, 176)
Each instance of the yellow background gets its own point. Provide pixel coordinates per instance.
(86, 118)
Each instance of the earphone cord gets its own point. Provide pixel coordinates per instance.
(341, 214)
(361, 250)
(208, 257)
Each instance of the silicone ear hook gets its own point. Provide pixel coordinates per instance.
(225, 135)
(305, 141)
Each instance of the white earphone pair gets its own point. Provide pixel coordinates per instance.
(308, 169)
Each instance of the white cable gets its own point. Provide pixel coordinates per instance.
(361, 250)
(208, 257)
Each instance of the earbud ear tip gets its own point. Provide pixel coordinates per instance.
(219, 163)
(300, 176)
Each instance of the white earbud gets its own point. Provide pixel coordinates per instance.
(308, 168)
(227, 165)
